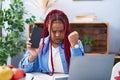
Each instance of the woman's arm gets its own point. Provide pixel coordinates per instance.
(77, 51)
(25, 64)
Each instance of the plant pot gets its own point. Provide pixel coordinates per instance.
(87, 48)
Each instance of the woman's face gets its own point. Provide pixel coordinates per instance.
(57, 32)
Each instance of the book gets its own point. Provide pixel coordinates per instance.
(43, 76)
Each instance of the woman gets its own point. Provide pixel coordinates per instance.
(56, 46)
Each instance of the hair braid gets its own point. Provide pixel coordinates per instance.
(52, 16)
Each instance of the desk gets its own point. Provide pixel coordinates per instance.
(42, 76)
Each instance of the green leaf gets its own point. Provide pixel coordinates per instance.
(13, 42)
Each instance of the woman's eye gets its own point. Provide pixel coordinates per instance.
(54, 31)
(61, 31)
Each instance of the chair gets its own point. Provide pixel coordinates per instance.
(116, 72)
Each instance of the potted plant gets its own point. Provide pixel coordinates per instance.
(87, 43)
(12, 22)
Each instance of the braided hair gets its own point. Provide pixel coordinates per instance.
(50, 18)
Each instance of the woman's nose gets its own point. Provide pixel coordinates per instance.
(57, 33)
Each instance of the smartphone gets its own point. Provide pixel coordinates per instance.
(36, 36)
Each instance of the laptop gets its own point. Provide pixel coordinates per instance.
(95, 67)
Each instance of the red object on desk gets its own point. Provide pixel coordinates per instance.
(118, 77)
(17, 73)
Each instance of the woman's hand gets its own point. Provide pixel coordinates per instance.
(73, 38)
(33, 51)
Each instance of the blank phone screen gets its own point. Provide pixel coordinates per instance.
(36, 36)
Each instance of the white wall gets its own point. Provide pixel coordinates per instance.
(104, 10)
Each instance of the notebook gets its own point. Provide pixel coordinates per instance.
(97, 67)
(43, 76)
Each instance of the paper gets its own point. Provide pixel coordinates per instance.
(42, 76)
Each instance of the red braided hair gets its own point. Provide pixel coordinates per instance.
(52, 16)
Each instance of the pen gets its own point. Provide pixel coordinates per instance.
(32, 78)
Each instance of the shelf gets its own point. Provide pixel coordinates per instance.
(97, 30)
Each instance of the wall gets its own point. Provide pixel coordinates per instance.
(104, 10)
